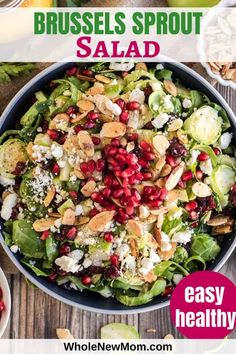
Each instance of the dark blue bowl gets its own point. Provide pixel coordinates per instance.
(88, 300)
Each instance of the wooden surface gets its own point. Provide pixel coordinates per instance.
(37, 315)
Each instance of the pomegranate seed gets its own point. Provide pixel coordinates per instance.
(56, 169)
(52, 277)
(203, 156)
(132, 137)
(182, 184)
(71, 233)
(93, 212)
(127, 192)
(154, 196)
(216, 151)
(149, 190)
(131, 159)
(130, 209)
(97, 197)
(118, 193)
(115, 142)
(194, 224)
(171, 160)
(64, 249)
(143, 163)
(71, 110)
(87, 72)
(73, 194)
(53, 134)
(122, 151)
(199, 174)
(92, 115)
(187, 176)
(108, 180)
(78, 128)
(139, 176)
(163, 194)
(127, 173)
(124, 201)
(100, 165)
(124, 74)
(84, 168)
(2, 306)
(112, 151)
(108, 237)
(121, 103)
(45, 235)
(115, 183)
(193, 215)
(71, 71)
(111, 207)
(146, 176)
(86, 280)
(91, 166)
(154, 204)
(124, 117)
(145, 146)
(132, 106)
(211, 202)
(106, 192)
(121, 159)
(135, 194)
(192, 205)
(149, 156)
(96, 140)
(114, 260)
(168, 291)
(89, 125)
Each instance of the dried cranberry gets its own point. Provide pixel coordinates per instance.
(86, 280)
(168, 291)
(71, 71)
(19, 169)
(147, 91)
(112, 272)
(177, 149)
(87, 72)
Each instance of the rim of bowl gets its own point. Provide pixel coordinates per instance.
(37, 283)
(7, 300)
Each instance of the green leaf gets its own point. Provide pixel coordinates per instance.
(27, 239)
(137, 75)
(193, 262)
(164, 74)
(205, 246)
(39, 272)
(51, 248)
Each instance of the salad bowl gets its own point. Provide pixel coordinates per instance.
(65, 277)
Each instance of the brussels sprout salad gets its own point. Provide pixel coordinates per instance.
(118, 180)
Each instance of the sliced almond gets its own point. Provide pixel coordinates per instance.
(96, 89)
(88, 188)
(166, 255)
(49, 197)
(161, 210)
(141, 66)
(55, 215)
(85, 105)
(133, 248)
(157, 235)
(85, 78)
(170, 87)
(68, 217)
(218, 220)
(79, 117)
(160, 143)
(182, 137)
(30, 151)
(166, 170)
(63, 333)
(105, 118)
(5, 194)
(81, 220)
(101, 221)
(134, 227)
(43, 224)
(222, 229)
(175, 125)
(174, 177)
(160, 182)
(149, 278)
(59, 119)
(160, 220)
(150, 241)
(113, 130)
(86, 143)
(78, 173)
(103, 79)
(71, 145)
(201, 190)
